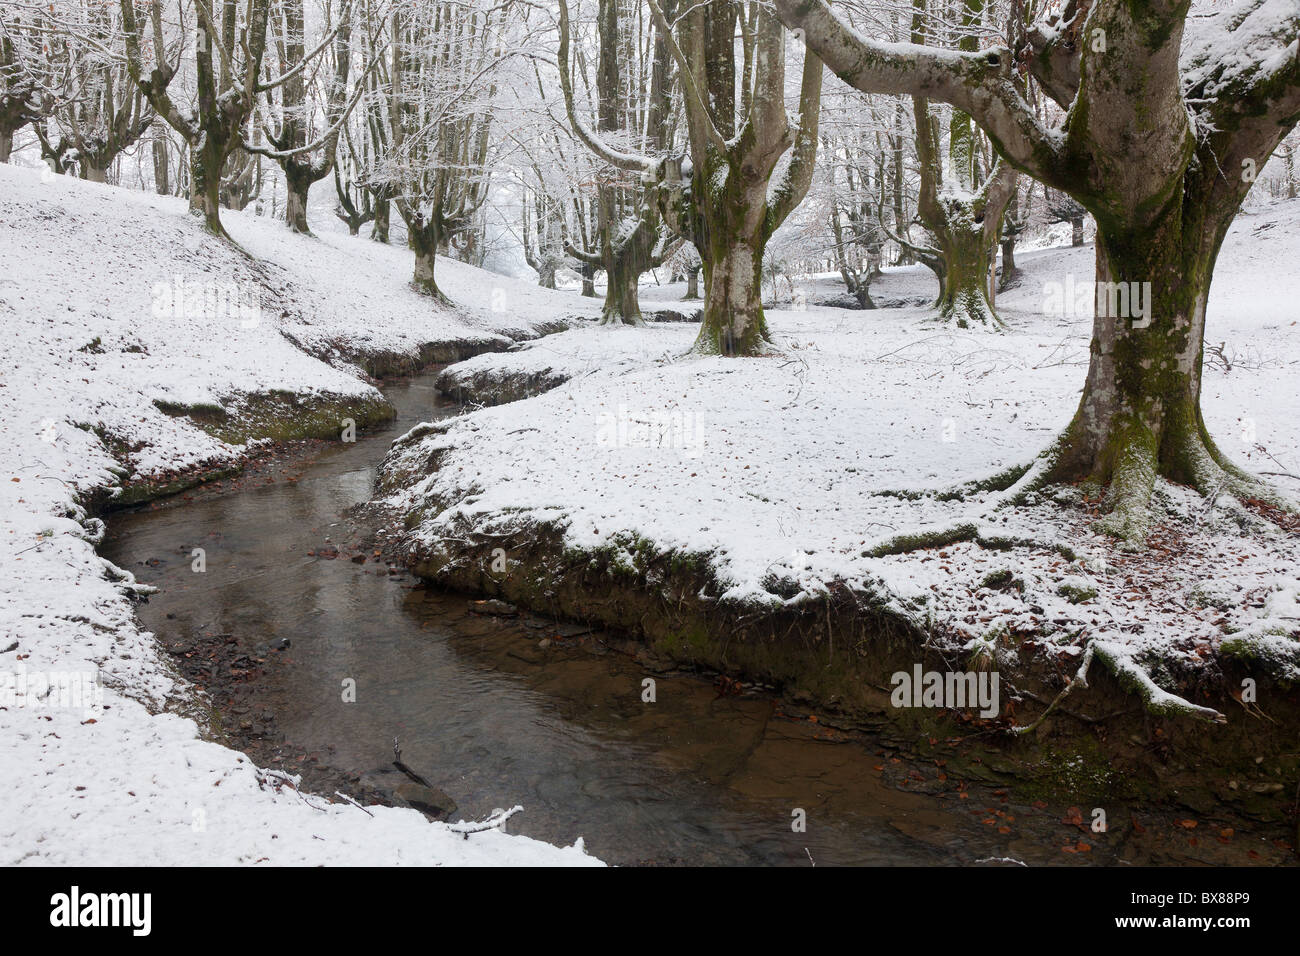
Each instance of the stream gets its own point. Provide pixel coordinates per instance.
(498, 711)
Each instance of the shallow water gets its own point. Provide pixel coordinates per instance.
(494, 719)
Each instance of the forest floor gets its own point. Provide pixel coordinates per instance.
(110, 384)
(771, 479)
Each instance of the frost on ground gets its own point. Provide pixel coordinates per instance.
(786, 472)
(91, 350)
(540, 365)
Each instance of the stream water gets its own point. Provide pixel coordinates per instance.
(498, 712)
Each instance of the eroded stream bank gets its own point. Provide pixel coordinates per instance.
(504, 708)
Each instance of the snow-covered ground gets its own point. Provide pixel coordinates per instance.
(94, 339)
(774, 468)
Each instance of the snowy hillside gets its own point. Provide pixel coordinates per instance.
(98, 344)
(785, 473)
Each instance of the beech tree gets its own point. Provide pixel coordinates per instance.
(20, 85)
(82, 104)
(852, 196)
(541, 235)
(628, 218)
(228, 49)
(724, 197)
(438, 119)
(305, 160)
(963, 213)
(356, 206)
(1166, 122)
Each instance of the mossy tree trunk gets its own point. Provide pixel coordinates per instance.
(624, 263)
(379, 227)
(734, 323)
(628, 220)
(298, 179)
(965, 219)
(1160, 144)
(424, 241)
(206, 160)
(225, 98)
(1140, 414)
(731, 207)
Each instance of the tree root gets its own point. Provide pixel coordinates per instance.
(1213, 473)
(968, 309)
(1128, 499)
(998, 481)
(1012, 486)
(1156, 699)
(613, 319)
(1080, 679)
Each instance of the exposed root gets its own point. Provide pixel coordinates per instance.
(1080, 679)
(1156, 699)
(1132, 480)
(1017, 483)
(1213, 473)
(1128, 500)
(933, 537)
(616, 320)
(968, 309)
(998, 481)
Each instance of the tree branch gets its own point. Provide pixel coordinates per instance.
(982, 84)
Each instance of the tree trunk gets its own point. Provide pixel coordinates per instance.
(622, 275)
(93, 174)
(588, 281)
(161, 183)
(733, 323)
(693, 283)
(1009, 269)
(205, 186)
(6, 146)
(298, 180)
(1140, 414)
(379, 230)
(424, 242)
(1076, 232)
(964, 291)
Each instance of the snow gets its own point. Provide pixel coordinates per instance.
(90, 347)
(580, 351)
(788, 467)
(1228, 48)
